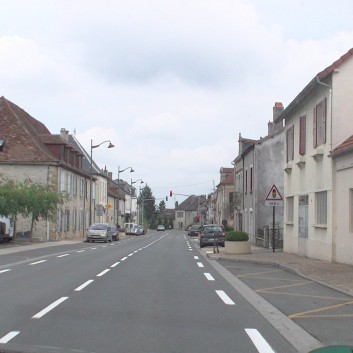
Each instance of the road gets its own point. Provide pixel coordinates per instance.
(153, 293)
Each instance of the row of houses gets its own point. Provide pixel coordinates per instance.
(308, 155)
(29, 151)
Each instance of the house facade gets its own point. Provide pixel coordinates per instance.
(31, 152)
(317, 121)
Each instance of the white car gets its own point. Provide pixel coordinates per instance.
(160, 228)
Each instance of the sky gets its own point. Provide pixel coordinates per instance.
(171, 83)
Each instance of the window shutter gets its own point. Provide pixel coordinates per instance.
(324, 114)
(314, 129)
(292, 142)
(302, 135)
(287, 146)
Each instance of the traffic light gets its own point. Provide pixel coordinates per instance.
(171, 193)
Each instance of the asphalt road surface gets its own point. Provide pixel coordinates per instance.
(150, 294)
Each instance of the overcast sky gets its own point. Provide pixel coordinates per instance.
(171, 83)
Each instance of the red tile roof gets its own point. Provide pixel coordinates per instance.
(345, 147)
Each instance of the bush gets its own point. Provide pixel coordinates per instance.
(229, 229)
(237, 236)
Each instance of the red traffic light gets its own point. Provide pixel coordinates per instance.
(171, 193)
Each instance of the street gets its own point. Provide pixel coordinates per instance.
(153, 293)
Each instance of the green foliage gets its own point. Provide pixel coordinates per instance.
(236, 236)
(229, 229)
(147, 199)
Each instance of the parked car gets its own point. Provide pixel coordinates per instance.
(160, 228)
(129, 228)
(100, 232)
(194, 231)
(209, 233)
(138, 230)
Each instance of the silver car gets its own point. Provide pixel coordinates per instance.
(100, 232)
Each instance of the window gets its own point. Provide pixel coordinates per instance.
(290, 209)
(302, 135)
(62, 181)
(351, 210)
(290, 143)
(180, 214)
(251, 179)
(321, 207)
(246, 181)
(319, 123)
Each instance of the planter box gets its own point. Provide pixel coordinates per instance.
(237, 247)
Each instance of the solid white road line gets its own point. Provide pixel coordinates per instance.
(9, 336)
(103, 272)
(209, 276)
(7, 270)
(37, 262)
(225, 297)
(63, 255)
(84, 285)
(200, 264)
(116, 264)
(124, 258)
(49, 308)
(196, 257)
(259, 342)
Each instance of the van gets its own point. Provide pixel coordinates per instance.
(129, 227)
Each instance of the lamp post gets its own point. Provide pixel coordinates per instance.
(90, 176)
(133, 182)
(120, 171)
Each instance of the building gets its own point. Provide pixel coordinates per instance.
(317, 122)
(31, 152)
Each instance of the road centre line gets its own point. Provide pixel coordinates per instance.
(225, 297)
(9, 336)
(200, 264)
(93, 248)
(209, 276)
(103, 272)
(196, 257)
(259, 342)
(38, 262)
(7, 270)
(124, 258)
(81, 250)
(49, 308)
(63, 255)
(84, 285)
(116, 264)
(131, 254)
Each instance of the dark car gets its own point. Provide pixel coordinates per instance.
(211, 233)
(194, 231)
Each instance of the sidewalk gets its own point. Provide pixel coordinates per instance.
(334, 275)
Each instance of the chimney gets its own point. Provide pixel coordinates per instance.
(64, 134)
(110, 175)
(277, 110)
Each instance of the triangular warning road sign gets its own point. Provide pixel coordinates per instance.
(274, 194)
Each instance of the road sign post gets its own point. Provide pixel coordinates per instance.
(274, 199)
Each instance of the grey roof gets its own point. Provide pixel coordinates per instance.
(190, 204)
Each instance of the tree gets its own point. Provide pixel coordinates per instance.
(42, 202)
(28, 199)
(147, 200)
(162, 206)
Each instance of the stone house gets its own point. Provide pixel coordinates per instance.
(31, 152)
(224, 209)
(257, 167)
(186, 213)
(317, 122)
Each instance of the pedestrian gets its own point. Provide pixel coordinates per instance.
(215, 242)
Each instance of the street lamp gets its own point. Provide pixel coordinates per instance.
(120, 171)
(133, 182)
(90, 176)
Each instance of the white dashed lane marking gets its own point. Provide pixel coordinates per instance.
(200, 264)
(49, 308)
(9, 336)
(84, 285)
(259, 342)
(63, 255)
(103, 272)
(209, 276)
(225, 297)
(37, 262)
(7, 270)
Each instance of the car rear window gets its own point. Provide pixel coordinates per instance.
(213, 229)
(98, 226)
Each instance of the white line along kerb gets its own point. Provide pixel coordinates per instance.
(259, 342)
(49, 308)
